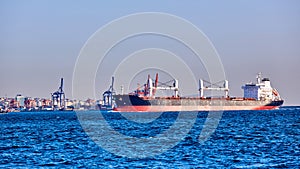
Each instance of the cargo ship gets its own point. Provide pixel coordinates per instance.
(257, 96)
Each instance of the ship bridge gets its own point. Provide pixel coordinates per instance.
(261, 90)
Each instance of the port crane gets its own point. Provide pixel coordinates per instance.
(108, 101)
(58, 97)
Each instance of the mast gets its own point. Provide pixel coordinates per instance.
(258, 78)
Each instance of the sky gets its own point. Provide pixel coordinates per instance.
(41, 41)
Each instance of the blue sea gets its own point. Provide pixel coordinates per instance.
(241, 139)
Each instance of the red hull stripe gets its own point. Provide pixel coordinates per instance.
(189, 108)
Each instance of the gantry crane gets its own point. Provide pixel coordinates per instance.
(58, 97)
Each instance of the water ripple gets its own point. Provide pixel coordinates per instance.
(243, 139)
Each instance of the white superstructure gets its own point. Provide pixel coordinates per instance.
(261, 90)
